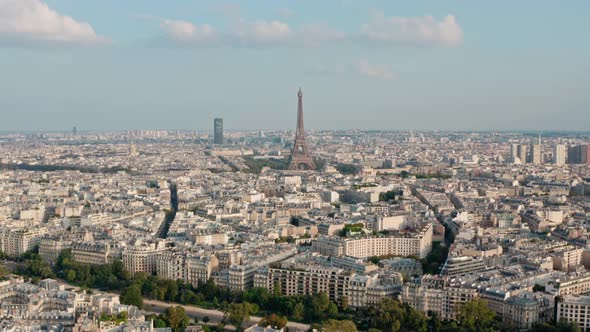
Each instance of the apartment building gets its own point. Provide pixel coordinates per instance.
(360, 290)
(455, 266)
(186, 266)
(527, 309)
(567, 259)
(241, 277)
(142, 256)
(92, 253)
(573, 286)
(50, 248)
(435, 295)
(14, 242)
(418, 243)
(574, 308)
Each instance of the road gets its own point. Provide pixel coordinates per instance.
(215, 316)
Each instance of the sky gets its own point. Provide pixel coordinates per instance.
(392, 65)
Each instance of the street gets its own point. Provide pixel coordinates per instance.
(215, 316)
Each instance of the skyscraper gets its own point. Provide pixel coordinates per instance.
(300, 157)
(218, 131)
(579, 154)
(559, 154)
(536, 154)
(514, 152)
(522, 153)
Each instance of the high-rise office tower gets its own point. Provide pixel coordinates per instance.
(218, 131)
(536, 156)
(74, 131)
(559, 154)
(300, 156)
(522, 153)
(536, 153)
(513, 152)
(579, 154)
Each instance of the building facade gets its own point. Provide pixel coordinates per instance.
(218, 131)
(417, 244)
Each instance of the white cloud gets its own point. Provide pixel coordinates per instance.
(185, 31)
(366, 69)
(424, 30)
(362, 68)
(262, 32)
(33, 21)
(317, 34)
(383, 31)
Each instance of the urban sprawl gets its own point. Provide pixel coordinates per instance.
(114, 231)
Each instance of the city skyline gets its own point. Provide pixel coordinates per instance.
(372, 65)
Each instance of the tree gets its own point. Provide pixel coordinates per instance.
(237, 313)
(332, 309)
(118, 269)
(414, 320)
(132, 295)
(122, 316)
(332, 325)
(344, 303)
(36, 267)
(561, 326)
(273, 320)
(159, 323)
(206, 319)
(434, 322)
(176, 318)
(171, 290)
(298, 310)
(316, 306)
(387, 315)
(391, 315)
(475, 315)
(258, 295)
(71, 275)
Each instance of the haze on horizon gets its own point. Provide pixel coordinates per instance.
(149, 64)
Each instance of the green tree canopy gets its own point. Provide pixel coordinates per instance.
(132, 295)
(237, 313)
(273, 320)
(475, 315)
(176, 318)
(333, 325)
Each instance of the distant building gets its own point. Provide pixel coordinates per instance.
(193, 269)
(14, 242)
(574, 308)
(416, 244)
(514, 152)
(579, 154)
(142, 257)
(92, 253)
(536, 155)
(218, 131)
(522, 153)
(559, 154)
(461, 265)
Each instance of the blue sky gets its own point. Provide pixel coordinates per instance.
(112, 64)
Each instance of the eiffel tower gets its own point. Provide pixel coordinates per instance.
(300, 157)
